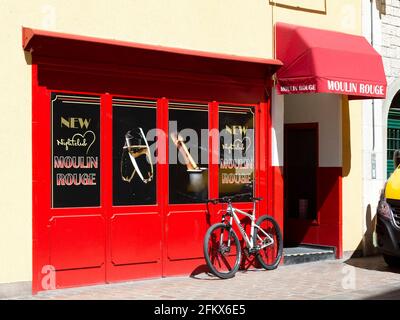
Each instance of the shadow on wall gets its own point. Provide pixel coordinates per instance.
(28, 58)
(346, 142)
(366, 246)
(381, 7)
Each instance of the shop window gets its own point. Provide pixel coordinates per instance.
(75, 150)
(188, 153)
(134, 165)
(236, 167)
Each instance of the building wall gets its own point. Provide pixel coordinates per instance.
(390, 37)
(381, 26)
(343, 16)
(227, 26)
(324, 109)
(352, 171)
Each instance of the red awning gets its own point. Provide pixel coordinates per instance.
(318, 60)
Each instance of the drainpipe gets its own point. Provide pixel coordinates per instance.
(367, 249)
(373, 156)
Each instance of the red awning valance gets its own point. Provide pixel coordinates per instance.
(318, 60)
(46, 45)
(90, 64)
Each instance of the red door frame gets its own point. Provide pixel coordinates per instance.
(326, 229)
(41, 186)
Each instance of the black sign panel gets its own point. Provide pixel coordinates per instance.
(236, 168)
(134, 165)
(75, 150)
(188, 153)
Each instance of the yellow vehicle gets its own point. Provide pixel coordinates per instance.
(388, 217)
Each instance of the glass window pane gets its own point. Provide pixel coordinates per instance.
(75, 150)
(188, 153)
(134, 166)
(236, 168)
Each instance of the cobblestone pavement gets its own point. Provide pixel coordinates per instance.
(359, 278)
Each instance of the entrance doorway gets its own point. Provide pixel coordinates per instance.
(300, 174)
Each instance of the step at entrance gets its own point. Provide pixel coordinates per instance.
(307, 253)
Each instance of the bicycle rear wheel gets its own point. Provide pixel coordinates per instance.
(269, 239)
(222, 250)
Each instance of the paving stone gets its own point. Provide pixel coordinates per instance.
(360, 278)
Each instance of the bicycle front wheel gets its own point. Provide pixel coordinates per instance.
(268, 238)
(222, 250)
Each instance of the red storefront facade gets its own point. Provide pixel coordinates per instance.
(98, 218)
(79, 84)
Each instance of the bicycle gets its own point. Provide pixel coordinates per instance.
(222, 249)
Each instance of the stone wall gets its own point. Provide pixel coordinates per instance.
(390, 18)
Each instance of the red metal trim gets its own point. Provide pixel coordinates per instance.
(267, 128)
(35, 182)
(106, 171)
(213, 146)
(339, 251)
(29, 35)
(41, 146)
(162, 145)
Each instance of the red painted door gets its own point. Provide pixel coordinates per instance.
(68, 179)
(188, 185)
(135, 210)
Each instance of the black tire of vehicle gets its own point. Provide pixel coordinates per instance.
(392, 261)
(278, 258)
(231, 273)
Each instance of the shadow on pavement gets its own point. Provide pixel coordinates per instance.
(375, 263)
(202, 272)
(389, 295)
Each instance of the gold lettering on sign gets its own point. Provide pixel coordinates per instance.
(236, 129)
(75, 123)
(85, 140)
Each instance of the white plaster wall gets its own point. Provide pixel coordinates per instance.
(326, 110)
(277, 131)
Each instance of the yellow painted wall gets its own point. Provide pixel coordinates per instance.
(343, 16)
(352, 189)
(226, 26)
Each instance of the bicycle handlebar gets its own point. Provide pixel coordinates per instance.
(228, 199)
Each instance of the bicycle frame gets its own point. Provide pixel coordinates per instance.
(250, 243)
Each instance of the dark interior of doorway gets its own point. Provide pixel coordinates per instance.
(300, 194)
(300, 176)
